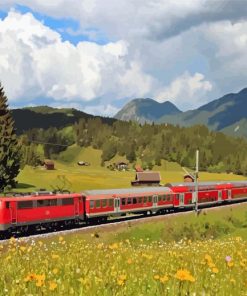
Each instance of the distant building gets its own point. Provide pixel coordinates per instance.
(83, 163)
(49, 164)
(188, 178)
(121, 166)
(147, 179)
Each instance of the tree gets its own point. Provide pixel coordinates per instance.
(9, 150)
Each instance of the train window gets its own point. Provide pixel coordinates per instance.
(7, 205)
(67, 201)
(104, 203)
(139, 200)
(25, 204)
(134, 200)
(123, 201)
(159, 198)
(145, 199)
(97, 204)
(53, 202)
(41, 203)
(91, 204)
(110, 203)
(150, 199)
(129, 201)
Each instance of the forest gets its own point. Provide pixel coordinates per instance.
(148, 143)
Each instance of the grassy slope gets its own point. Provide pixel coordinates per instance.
(95, 176)
(183, 255)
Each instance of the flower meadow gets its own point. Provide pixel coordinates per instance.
(128, 261)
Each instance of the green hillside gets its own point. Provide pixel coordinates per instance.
(95, 176)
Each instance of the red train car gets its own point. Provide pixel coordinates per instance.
(209, 193)
(147, 200)
(40, 209)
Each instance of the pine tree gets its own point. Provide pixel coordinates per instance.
(9, 150)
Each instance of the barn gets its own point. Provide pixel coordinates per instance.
(188, 178)
(147, 179)
(49, 164)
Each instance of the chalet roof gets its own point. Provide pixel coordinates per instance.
(121, 163)
(48, 162)
(148, 176)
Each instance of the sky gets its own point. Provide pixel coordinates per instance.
(97, 55)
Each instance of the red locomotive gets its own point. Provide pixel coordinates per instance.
(49, 210)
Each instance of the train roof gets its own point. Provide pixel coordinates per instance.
(208, 184)
(37, 197)
(128, 191)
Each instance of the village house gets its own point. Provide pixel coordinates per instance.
(49, 164)
(121, 166)
(188, 178)
(147, 179)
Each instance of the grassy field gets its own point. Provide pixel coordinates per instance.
(185, 255)
(95, 176)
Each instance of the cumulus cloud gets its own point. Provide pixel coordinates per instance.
(187, 89)
(105, 110)
(35, 62)
(157, 19)
(152, 43)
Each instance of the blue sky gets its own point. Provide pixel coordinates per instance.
(98, 55)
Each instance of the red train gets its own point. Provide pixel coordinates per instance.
(48, 210)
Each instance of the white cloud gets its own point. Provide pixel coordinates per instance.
(186, 89)
(103, 110)
(153, 42)
(35, 62)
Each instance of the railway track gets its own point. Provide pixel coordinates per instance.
(136, 219)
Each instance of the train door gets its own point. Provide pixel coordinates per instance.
(13, 212)
(181, 199)
(155, 200)
(117, 205)
(229, 194)
(77, 206)
(220, 196)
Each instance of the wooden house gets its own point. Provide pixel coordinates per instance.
(188, 178)
(121, 166)
(49, 164)
(147, 179)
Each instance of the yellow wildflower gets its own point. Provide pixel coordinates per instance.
(164, 279)
(113, 246)
(215, 270)
(52, 286)
(184, 275)
(230, 264)
(121, 280)
(156, 277)
(55, 270)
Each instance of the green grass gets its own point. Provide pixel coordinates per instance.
(97, 177)
(134, 259)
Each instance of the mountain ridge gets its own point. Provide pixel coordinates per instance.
(221, 114)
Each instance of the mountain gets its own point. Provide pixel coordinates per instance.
(46, 117)
(227, 114)
(146, 110)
